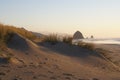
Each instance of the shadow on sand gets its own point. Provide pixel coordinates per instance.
(70, 50)
(18, 43)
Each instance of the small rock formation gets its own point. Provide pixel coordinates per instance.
(92, 36)
(78, 35)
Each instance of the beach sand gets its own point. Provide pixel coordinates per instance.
(44, 61)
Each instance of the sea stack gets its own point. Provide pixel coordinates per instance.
(78, 35)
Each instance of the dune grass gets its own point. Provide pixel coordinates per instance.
(55, 38)
(67, 39)
(89, 46)
(51, 38)
(7, 31)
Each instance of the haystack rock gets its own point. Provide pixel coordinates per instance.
(78, 35)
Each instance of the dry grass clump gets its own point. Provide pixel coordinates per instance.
(67, 39)
(7, 31)
(2, 45)
(52, 38)
(89, 46)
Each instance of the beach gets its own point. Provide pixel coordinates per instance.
(60, 61)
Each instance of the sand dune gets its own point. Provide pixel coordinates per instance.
(61, 61)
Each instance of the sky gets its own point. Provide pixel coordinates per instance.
(99, 18)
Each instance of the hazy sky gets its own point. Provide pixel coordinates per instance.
(100, 18)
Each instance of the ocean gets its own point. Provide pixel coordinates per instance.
(100, 41)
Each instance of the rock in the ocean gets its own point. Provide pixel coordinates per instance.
(78, 35)
(92, 36)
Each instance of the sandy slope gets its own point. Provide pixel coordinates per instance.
(54, 62)
(112, 52)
